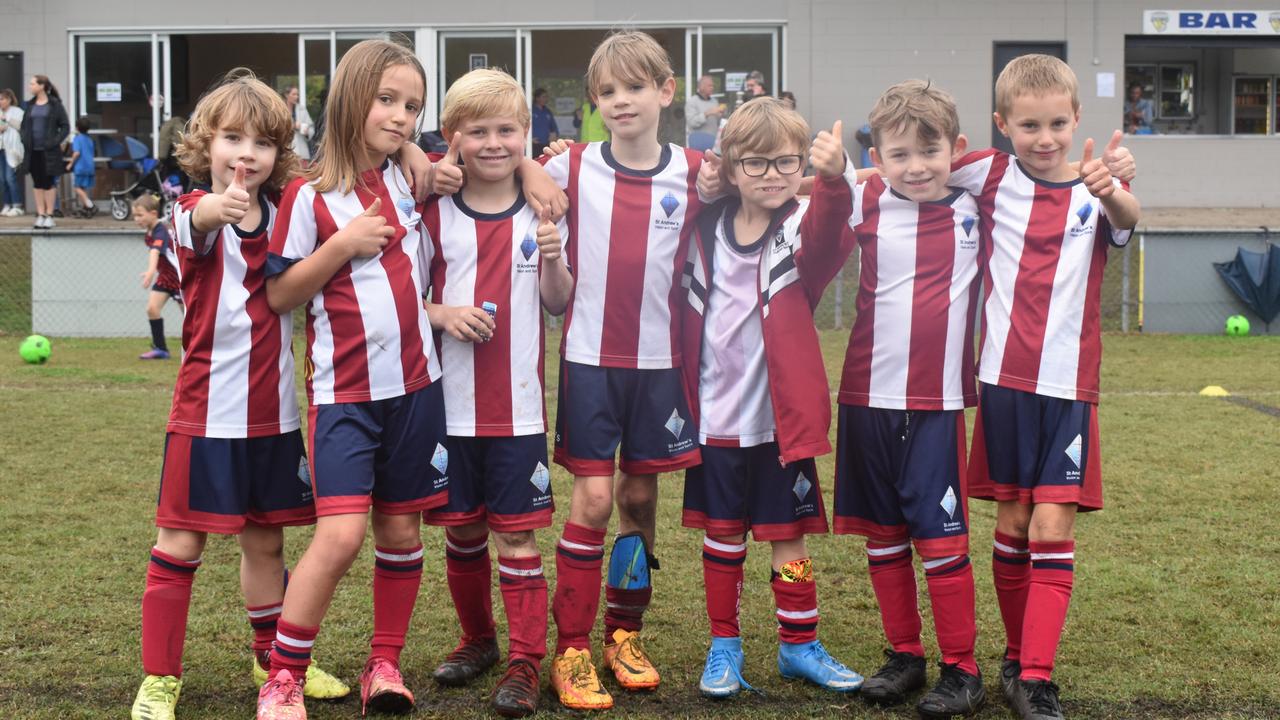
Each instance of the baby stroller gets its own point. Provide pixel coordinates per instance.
(150, 179)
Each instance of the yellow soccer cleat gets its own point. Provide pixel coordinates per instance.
(629, 662)
(573, 677)
(157, 697)
(319, 684)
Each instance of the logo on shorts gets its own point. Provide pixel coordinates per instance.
(540, 478)
(675, 424)
(528, 246)
(949, 503)
(304, 471)
(802, 487)
(669, 203)
(1073, 451)
(440, 459)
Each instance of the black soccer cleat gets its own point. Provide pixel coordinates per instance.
(516, 694)
(901, 674)
(467, 662)
(1038, 700)
(1009, 672)
(957, 694)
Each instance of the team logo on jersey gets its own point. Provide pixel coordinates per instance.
(669, 203)
(527, 246)
(802, 487)
(949, 503)
(967, 223)
(780, 242)
(440, 459)
(1073, 451)
(1084, 212)
(674, 424)
(540, 478)
(406, 206)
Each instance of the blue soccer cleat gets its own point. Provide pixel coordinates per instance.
(810, 661)
(722, 675)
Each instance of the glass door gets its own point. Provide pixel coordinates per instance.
(731, 55)
(118, 79)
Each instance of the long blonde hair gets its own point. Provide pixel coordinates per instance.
(355, 85)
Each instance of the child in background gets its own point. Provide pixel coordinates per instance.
(233, 461)
(495, 265)
(348, 243)
(160, 276)
(80, 164)
(752, 360)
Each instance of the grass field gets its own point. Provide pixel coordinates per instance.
(1174, 615)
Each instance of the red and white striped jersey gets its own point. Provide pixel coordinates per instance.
(159, 238)
(493, 388)
(367, 332)
(1046, 247)
(236, 378)
(911, 347)
(628, 235)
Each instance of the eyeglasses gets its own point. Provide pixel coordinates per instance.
(784, 164)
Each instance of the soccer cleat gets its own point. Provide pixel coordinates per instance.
(957, 693)
(467, 661)
(574, 679)
(281, 699)
(154, 354)
(516, 694)
(1038, 700)
(157, 697)
(901, 674)
(1009, 672)
(382, 688)
(810, 661)
(629, 662)
(317, 685)
(722, 674)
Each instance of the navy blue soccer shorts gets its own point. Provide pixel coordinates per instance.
(900, 474)
(646, 412)
(390, 454)
(219, 484)
(503, 481)
(737, 489)
(1034, 448)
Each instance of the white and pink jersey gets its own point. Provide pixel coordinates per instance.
(493, 388)
(628, 239)
(367, 332)
(1046, 249)
(911, 346)
(236, 379)
(735, 409)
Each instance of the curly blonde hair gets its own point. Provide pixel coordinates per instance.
(240, 101)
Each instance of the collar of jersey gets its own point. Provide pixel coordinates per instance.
(779, 216)
(477, 215)
(1045, 183)
(950, 197)
(606, 151)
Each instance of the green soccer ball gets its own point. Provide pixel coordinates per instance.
(35, 349)
(1237, 326)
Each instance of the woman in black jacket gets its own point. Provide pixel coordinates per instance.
(44, 128)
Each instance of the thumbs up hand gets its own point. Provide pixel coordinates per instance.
(827, 152)
(367, 233)
(709, 183)
(449, 177)
(1096, 176)
(1118, 159)
(548, 238)
(235, 199)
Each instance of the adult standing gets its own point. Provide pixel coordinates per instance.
(11, 190)
(303, 127)
(1138, 112)
(544, 128)
(702, 115)
(44, 128)
(590, 123)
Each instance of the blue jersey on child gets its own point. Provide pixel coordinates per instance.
(83, 144)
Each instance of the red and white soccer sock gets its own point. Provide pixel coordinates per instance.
(894, 581)
(1011, 571)
(397, 575)
(950, 581)
(467, 566)
(1048, 597)
(524, 598)
(292, 649)
(165, 603)
(579, 556)
(722, 579)
(263, 619)
(796, 596)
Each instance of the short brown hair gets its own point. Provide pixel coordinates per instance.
(915, 103)
(760, 125)
(629, 56)
(8, 94)
(1035, 74)
(239, 102)
(483, 93)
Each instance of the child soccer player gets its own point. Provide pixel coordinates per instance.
(494, 265)
(1035, 445)
(907, 379)
(757, 268)
(632, 204)
(348, 243)
(234, 460)
(80, 164)
(160, 274)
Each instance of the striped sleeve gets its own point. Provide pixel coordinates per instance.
(294, 235)
(185, 234)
